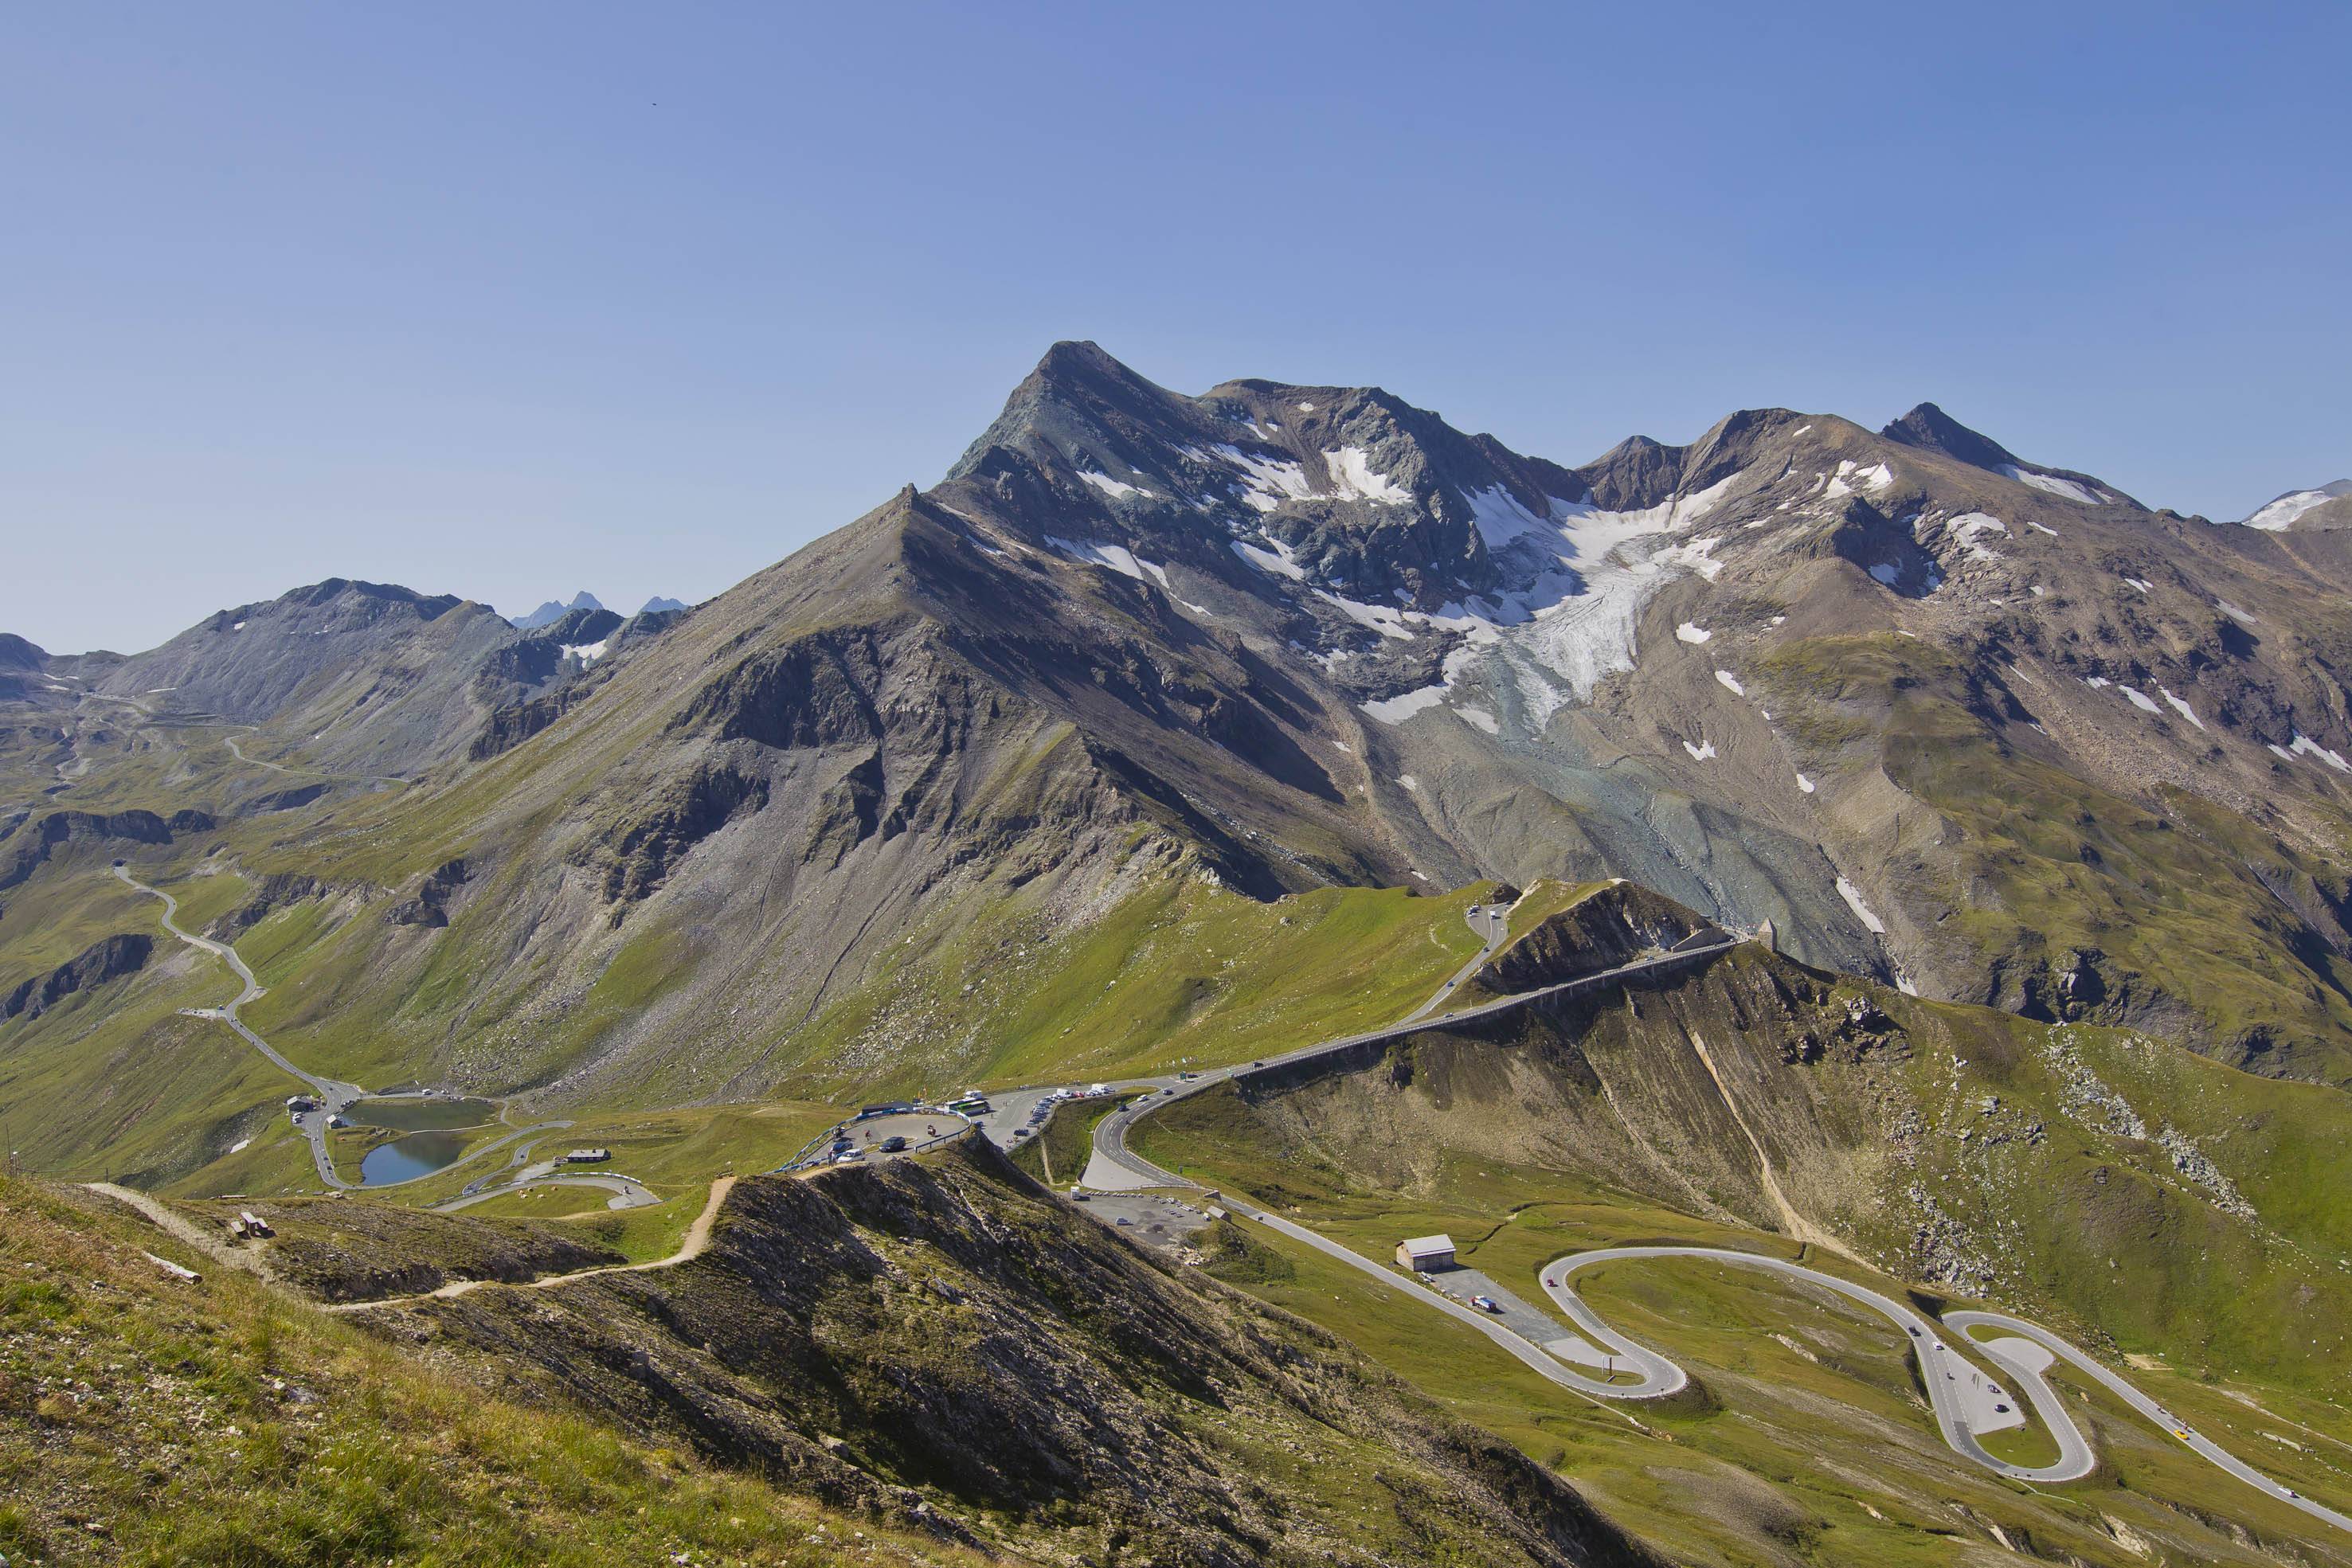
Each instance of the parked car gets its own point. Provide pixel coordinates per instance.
(892, 1145)
(851, 1159)
(1486, 1303)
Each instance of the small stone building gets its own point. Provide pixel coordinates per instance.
(1425, 1254)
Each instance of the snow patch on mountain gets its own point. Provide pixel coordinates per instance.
(1352, 476)
(1969, 525)
(1731, 682)
(1479, 718)
(1266, 482)
(2052, 485)
(1861, 911)
(1851, 476)
(1115, 488)
(2306, 746)
(1690, 633)
(1697, 556)
(2181, 708)
(1699, 753)
(1119, 558)
(1277, 561)
(2280, 512)
(1381, 618)
(1397, 710)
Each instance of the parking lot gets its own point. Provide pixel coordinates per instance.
(918, 1127)
(1153, 1218)
(1539, 1328)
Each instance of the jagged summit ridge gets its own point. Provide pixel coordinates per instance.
(1930, 429)
(552, 611)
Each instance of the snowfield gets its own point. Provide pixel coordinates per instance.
(2051, 484)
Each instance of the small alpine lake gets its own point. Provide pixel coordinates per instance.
(405, 1159)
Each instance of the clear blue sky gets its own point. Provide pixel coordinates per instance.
(509, 301)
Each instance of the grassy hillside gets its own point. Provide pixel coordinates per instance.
(1007, 991)
(147, 1420)
(2155, 1205)
(943, 1325)
(1179, 972)
(1759, 1463)
(2010, 866)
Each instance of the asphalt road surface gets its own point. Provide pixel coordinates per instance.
(2006, 1355)
(1966, 1402)
(628, 1192)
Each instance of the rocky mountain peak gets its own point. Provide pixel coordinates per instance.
(552, 612)
(1930, 429)
(17, 653)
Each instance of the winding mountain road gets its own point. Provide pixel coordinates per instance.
(1964, 1400)
(333, 1094)
(2017, 1360)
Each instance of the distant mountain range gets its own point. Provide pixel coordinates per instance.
(1796, 671)
(549, 613)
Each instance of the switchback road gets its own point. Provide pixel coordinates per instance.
(1964, 1400)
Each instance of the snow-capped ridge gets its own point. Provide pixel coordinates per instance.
(2282, 512)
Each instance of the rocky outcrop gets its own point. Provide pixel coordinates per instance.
(25, 850)
(429, 904)
(944, 1336)
(1609, 928)
(101, 961)
(512, 724)
(288, 799)
(816, 692)
(270, 894)
(659, 831)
